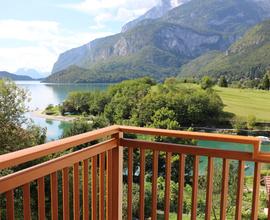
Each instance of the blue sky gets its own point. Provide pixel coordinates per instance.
(34, 32)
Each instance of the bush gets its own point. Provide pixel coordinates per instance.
(251, 122)
(223, 82)
(207, 83)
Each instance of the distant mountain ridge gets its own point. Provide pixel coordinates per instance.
(11, 76)
(159, 47)
(31, 72)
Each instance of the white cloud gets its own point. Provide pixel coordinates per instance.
(44, 41)
(95, 6)
(112, 10)
(126, 15)
(122, 15)
(41, 42)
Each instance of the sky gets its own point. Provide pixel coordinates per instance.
(34, 32)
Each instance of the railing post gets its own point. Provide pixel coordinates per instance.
(117, 179)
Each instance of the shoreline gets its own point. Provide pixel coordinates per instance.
(40, 114)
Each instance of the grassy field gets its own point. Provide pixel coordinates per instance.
(244, 102)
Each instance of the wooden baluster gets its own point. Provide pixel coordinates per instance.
(240, 187)
(256, 191)
(268, 206)
(94, 187)
(85, 190)
(10, 205)
(54, 196)
(26, 202)
(41, 199)
(167, 185)
(142, 175)
(209, 189)
(101, 186)
(195, 187)
(76, 192)
(130, 182)
(117, 175)
(65, 194)
(181, 182)
(154, 184)
(224, 189)
(109, 183)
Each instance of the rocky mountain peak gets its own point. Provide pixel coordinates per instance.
(156, 12)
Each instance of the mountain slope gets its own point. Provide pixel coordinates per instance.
(183, 34)
(4, 74)
(249, 57)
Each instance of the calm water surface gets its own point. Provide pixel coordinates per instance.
(43, 94)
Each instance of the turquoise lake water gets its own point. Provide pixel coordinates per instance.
(43, 94)
(230, 146)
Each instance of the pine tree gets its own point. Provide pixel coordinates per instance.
(266, 82)
(223, 82)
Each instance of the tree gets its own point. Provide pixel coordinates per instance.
(266, 82)
(223, 82)
(207, 83)
(16, 132)
(251, 122)
(165, 119)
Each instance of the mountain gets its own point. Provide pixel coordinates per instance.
(156, 50)
(30, 72)
(248, 57)
(158, 47)
(155, 12)
(4, 74)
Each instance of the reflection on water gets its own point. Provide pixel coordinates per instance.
(44, 94)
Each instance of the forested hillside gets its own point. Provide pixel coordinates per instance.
(248, 58)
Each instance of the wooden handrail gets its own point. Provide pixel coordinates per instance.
(254, 141)
(190, 135)
(192, 150)
(32, 153)
(17, 179)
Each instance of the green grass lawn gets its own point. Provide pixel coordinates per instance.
(173, 216)
(244, 102)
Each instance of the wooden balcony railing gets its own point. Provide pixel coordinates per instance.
(95, 189)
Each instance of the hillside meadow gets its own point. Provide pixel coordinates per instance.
(244, 102)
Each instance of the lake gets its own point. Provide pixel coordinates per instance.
(43, 94)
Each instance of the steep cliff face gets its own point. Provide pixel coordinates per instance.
(100, 48)
(174, 39)
(182, 34)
